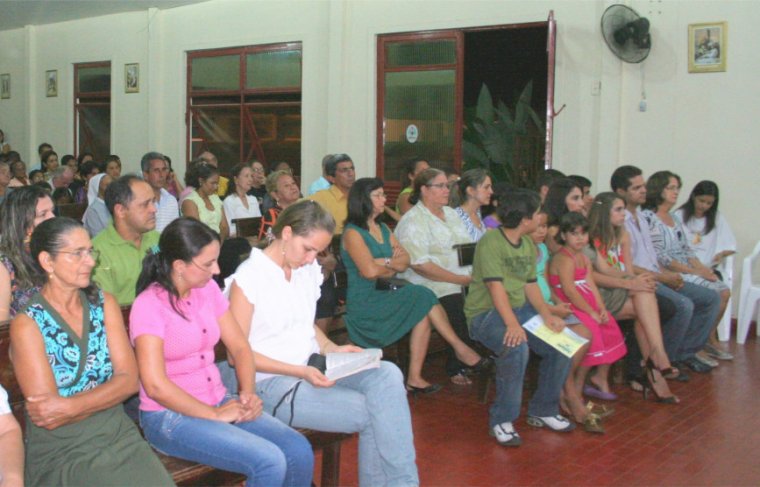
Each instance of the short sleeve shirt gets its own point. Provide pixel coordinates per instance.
(336, 203)
(5, 408)
(497, 259)
(188, 343)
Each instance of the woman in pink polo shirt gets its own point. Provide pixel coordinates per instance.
(185, 410)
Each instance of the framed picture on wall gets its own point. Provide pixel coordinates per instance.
(5, 85)
(51, 82)
(132, 78)
(707, 47)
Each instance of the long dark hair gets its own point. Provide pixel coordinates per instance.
(569, 222)
(703, 188)
(236, 170)
(17, 214)
(360, 202)
(49, 237)
(183, 239)
(555, 204)
(470, 179)
(656, 184)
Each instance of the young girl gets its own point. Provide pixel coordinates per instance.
(538, 236)
(570, 276)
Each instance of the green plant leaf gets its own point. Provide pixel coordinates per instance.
(523, 108)
(485, 110)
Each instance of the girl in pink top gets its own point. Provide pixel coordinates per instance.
(185, 411)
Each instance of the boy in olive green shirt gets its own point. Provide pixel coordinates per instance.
(502, 296)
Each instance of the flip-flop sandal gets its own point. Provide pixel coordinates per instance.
(460, 379)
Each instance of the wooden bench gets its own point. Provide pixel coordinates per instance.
(183, 472)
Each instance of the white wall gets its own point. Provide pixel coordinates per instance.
(698, 125)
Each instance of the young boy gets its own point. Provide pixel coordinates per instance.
(504, 275)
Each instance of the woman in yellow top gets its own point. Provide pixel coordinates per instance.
(203, 203)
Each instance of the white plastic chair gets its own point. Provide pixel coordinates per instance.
(748, 297)
(726, 269)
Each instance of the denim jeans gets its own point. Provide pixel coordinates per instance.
(372, 403)
(488, 328)
(696, 311)
(265, 450)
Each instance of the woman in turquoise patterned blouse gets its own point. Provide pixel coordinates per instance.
(75, 367)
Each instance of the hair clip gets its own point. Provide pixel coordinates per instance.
(155, 249)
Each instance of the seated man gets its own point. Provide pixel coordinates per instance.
(11, 446)
(124, 243)
(155, 171)
(504, 275)
(687, 331)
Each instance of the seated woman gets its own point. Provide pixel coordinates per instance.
(377, 318)
(23, 210)
(501, 191)
(237, 203)
(626, 295)
(672, 245)
(202, 203)
(564, 195)
(273, 297)
(475, 191)
(112, 166)
(429, 232)
(18, 171)
(284, 192)
(12, 446)
(710, 237)
(177, 318)
(75, 368)
(412, 168)
(96, 217)
(49, 163)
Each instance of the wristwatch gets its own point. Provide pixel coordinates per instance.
(388, 262)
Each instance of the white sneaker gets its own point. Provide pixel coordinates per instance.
(506, 435)
(554, 423)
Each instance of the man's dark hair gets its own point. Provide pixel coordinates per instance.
(621, 178)
(150, 156)
(516, 205)
(119, 192)
(582, 181)
(547, 177)
(44, 147)
(331, 166)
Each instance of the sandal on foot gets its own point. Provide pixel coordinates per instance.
(460, 379)
(597, 393)
(431, 389)
(506, 435)
(593, 424)
(481, 365)
(600, 410)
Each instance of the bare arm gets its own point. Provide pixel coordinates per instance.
(5, 294)
(189, 208)
(403, 203)
(564, 267)
(224, 228)
(536, 299)
(434, 272)
(46, 407)
(12, 448)
(368, 266)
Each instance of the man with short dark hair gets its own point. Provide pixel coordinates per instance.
(545, 179)
(155, 171)
(126, 240)
(340, 171)
(696, 307)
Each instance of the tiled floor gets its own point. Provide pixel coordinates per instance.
(711, 438)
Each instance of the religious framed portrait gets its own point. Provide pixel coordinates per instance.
(708, 47)
(51, 82)
(132, 78)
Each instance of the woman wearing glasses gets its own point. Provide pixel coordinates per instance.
(429, 232)
(75, 368)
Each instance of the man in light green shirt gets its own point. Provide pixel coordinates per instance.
(126, 240)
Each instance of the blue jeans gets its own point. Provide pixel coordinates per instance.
(372, 402)
(268, 452)
(696, 311)
(488, 328)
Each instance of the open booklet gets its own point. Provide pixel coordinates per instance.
(568, 342)
(343, 364)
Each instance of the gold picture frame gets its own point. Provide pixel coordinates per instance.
(132, 78)
(708, 47)
(5, 86)
(51, 83)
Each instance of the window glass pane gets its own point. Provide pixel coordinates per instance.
(216, 73)
(217, 129)
(94, 79)
(278, 131)
(274, 69)
(419, 119)
(420, 53)
(94, 130)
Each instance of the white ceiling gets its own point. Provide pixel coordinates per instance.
(18, 13)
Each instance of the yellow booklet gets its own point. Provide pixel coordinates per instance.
(567, 341)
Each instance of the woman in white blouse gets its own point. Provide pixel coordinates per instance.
(237, 203)
(475, 190)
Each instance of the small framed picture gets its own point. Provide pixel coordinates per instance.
(707, 47)
(51, 82)
(5, 85)
(132, 78)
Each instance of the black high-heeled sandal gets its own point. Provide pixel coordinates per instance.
(668, 372)
(648, 384)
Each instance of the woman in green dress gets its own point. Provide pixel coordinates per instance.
(75, 367)
(377, 318)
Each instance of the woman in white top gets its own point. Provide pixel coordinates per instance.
(237, 203)
(12, 459)
(475, 190)
(273, 297)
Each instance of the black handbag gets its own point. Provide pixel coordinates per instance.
(390, 283)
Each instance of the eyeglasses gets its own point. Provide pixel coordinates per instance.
(78, 255)
(438, 185)
(672, 188)
(258, 169)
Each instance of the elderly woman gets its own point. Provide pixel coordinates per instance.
(377, 318)
(23, 210)
(564, 196)
(177, 318)
(672, 245)
(237, 202)
(475, 191)
(96, 217)
(284, 191)
(203, 203)
(273, 297)
(429, 232)
(75, 368)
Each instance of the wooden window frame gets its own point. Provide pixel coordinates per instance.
(103, 97)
